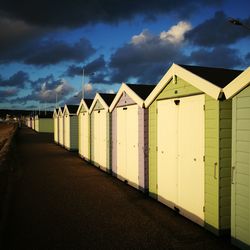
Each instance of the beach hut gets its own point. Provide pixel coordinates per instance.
(130, 135)
(70, 127)
(190, 144)
(84, 128)
(100, 131)
(44, 122)
(61, 126)
(33, 122)
(239, 91)
(56, 125)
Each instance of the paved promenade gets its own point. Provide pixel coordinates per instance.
(58, 201)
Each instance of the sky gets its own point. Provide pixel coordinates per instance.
(46, 45)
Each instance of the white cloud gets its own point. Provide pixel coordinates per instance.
(143, 37)
(88, 87)
(176, 33)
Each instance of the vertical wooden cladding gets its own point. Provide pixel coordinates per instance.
(240, 206)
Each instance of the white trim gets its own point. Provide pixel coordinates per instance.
(125, 88)
(60, 112)
(104, 104)
(55, 114)
(193, 79)
(238, 84)
(82, 103)
(64, 110)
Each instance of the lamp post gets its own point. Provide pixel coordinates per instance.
(238, 23)
(83, 80)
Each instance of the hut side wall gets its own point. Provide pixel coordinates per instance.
(143, 148)
(240, 206)
(73, 132)
(46, 125)
(225, 163)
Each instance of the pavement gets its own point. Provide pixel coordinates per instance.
(59, 201)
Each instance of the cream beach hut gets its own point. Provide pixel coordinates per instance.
(61, 126)
(56, 125)
(84, 128)
(190, 144)
(70, 127)
(100, 131)
(130, 135)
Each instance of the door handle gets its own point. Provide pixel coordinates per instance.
(215, 168)
(233, 174)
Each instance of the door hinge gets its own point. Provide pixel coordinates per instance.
(156, 186)
(156, 111)
(156, 148)
(204, 209)
(204, 107)
(203, 157)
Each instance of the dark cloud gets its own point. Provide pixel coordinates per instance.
(42, 53)
(217, 57)
(146, 61)
(18, 80)
(75, 13)
(46, 90)
(97, 65)
(217, 31)
(7, 93)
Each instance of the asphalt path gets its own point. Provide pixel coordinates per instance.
(58, 201)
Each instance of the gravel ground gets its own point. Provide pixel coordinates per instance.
(58, 201)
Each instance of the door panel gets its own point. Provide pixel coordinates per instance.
(103, 138)
(167, 152)
(85, 136)
(121, 143)
(191, 152)
(96, 137)
(132, 144)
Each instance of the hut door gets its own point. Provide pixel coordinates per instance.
(127, 143)
(103, 137)
(121, 143)
(96, 136)
(190, 157)
(84, 134)
(67, 131)
(180, 155)
(167, 152)
(132, 144)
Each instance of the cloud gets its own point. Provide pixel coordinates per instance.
(217, 31)
(19, 79)
(176, 33)
(148, 56)
(71, 14)
(217, 57)
(7, 93)
(47, 91)
(95, 66)
(43, 53)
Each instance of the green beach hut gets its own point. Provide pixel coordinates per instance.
(190, 144)
(44, 122)
(239, 91)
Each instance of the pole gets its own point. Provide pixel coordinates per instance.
(56, 99)
(83, 83)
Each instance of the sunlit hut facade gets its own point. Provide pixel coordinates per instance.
(100, 131)
(130, 134)
(61, 126)
(44, 122)
(56, 125)
(33, 121)
(239, 91)
(70, 127)
(84, 128)
(190, 144)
